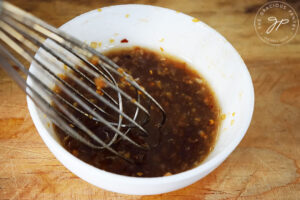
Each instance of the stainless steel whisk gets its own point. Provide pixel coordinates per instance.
(24, 35)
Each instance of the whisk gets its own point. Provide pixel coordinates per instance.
(23, 35)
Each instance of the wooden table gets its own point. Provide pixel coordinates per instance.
(266, 164)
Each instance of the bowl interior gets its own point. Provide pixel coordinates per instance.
(184, 37)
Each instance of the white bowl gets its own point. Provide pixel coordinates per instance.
(180, 35)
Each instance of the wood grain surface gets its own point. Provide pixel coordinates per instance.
(266, 164)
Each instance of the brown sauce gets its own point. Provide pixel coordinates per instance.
(190, 129)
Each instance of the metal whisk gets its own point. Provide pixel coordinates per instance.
(24, 35)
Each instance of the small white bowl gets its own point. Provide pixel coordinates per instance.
(180, 35)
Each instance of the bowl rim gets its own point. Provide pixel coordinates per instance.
(210, 164)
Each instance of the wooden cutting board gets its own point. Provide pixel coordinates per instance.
(266, 165)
